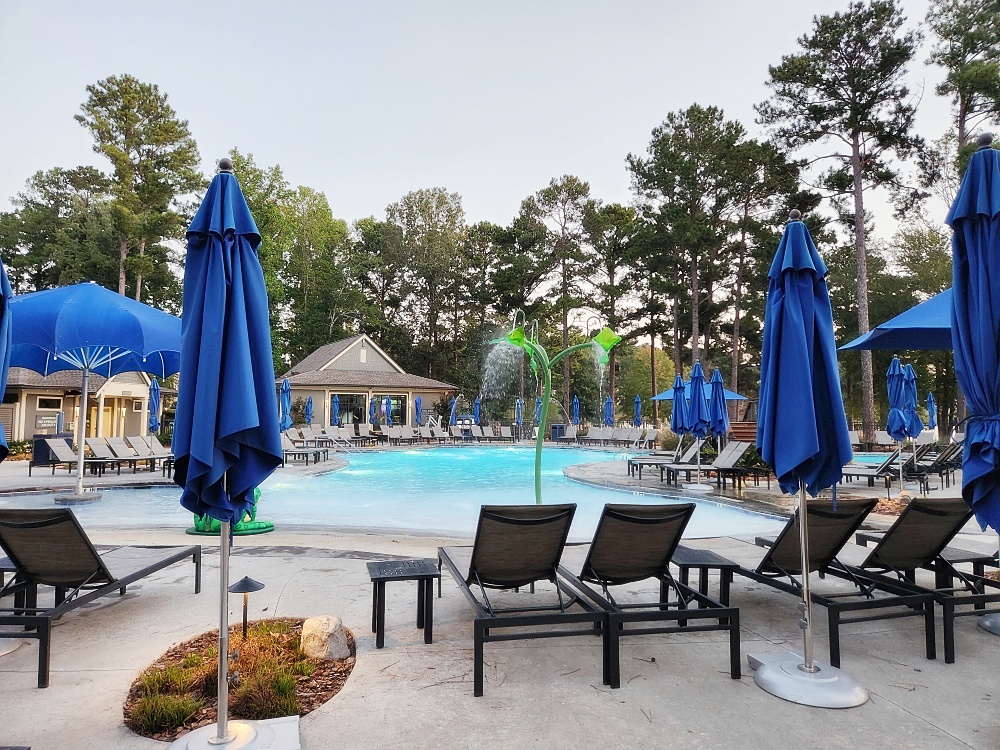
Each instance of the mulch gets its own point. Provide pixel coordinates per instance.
(327, 679)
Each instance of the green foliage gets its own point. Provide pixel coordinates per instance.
(298, 413)
(158, 713)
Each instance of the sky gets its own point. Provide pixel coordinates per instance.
(366, 101)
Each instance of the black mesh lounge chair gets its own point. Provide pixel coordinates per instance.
(49, 548)
(515, 546)
(883, 470)
(942, 463)
(664, 461)
(64, 456)
(635, 543)
(919, 539)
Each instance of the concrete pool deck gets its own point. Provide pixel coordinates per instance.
(539, 694)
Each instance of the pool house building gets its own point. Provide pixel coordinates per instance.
(355, 370)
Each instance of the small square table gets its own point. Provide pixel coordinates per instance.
(424, 572)
(703, 561)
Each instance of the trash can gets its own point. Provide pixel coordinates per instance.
(558, 431)
(41, 455)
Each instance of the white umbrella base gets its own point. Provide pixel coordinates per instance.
(10, 645)
(698, 487)
(827, 687)
(990, 623)
(272, 734)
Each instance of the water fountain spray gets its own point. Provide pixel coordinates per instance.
(542, 366)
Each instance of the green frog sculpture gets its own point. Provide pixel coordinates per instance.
(208, 526)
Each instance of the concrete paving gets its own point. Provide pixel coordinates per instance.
(676, 689)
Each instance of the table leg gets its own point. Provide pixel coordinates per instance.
(420, 604)
(380, 615)
(374, 607)
(725, 581)
(429, 613)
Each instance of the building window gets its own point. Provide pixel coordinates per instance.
(400, 415)
(50, 403)
(137, 405)
(353, 407)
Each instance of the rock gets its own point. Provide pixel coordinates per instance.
(324, 637)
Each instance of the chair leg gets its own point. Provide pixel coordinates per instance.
(929, 630)
(948, 613)
(833, 618)
(614, 652)
(479, 634)
(734, 646)
(44, 639)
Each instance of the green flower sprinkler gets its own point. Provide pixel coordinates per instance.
(542, 365)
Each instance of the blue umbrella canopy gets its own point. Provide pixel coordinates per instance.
(801, 425)
(698, 407)
(669, 395)
(286, 405)
(475, 410)
(931, 411)
(975, 222)
(519, 411)
(387, 407)
(226, 437)
(576, 410)
(895, 423)
(335, 409)
(417, 403)
(637, 412)
(154, 406)
(609, 412)
(678, 416)
(451, 415)
(538, 409)
(923, 326)
(308, 414)
(5, 345)
(914, 426)
(718, 414)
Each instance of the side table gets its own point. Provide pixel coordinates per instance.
(424, 572)
(703, 561)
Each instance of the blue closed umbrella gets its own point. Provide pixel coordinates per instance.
(308, 415)
(451, 416)
(931, 411)
(609, 412)
(519, 411)
(975, 222)
(895, 423)
(678, 416)
(154, 406)
(372, 410)
(698, 406)
(335, 408)
(914, 425)
(475, 410)
(387, 406)
(417, 402)
(801, 425)
(538, 411)
(286, 406)
(576, 410)
(226, 435)
(718, 414)
(637, 412)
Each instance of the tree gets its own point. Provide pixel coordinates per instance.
(154, 163)
(846, 87)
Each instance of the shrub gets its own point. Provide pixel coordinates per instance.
(156, 713)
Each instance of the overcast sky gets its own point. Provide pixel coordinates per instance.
(366, 101)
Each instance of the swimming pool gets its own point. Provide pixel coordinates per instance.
(426, 490)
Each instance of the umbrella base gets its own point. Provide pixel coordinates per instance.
(10, 645)
(990, 623)
(273, 734)
(72, 498)
(828, 687)
(699, 487)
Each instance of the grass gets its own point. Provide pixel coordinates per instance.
(156, 713)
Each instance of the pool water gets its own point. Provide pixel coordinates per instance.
(428, 490)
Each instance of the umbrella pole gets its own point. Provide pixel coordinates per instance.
(82, 431)
(806, 622)
(222, 735)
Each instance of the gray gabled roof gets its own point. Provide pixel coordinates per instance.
(322, 356)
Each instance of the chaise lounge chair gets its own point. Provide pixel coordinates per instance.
(515, 546)
(64, 456)
(48, 547)
(635, 543)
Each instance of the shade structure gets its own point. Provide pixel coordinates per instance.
(89, 328)
(931, 411)
(335, 411)
(669, 395)
(417, 403)
(698, 407)
(914, 425)
(718, 414)
(802, 435)
(226, 435)
(895, 423)
(286, 405)
(387, 408)
(576, 410)
(924, 326)
(637, 412)
(153, 406)
(308, 413)
(519, 411)
(476, 407)
(609, 411)
(679, 424)
(975, 222)
(451, 412)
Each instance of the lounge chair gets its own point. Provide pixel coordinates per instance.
(161, 451)
(595, 435)
(649, 439)
(944, 463)
(440, 434)
(515, 546)
(125, 452)
(884, 470)
(100, 450)
(686, 457)
(635, 543)
(883, 440)
(569, 436)
(831, 525)
(291, 452)
(65, 456)
(49, 548)
(506, 433)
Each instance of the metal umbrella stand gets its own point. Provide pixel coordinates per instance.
(802, 434)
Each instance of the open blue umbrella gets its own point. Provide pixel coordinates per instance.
(669, 394)
(678, 416)
(576, 410)
(931, 411)
(895, 423)
(637, 412)
(226, 435)
(417, 403)
(698, 405)
(475, 410)
(286, 406)
(718, 414)
(975, 222)
(88, 328)
(538, 410)
(387, 405)
(802, 432)
(308, 414)
(519, 411)
(154, 406)
(451, 415)
(609, 412)
(335, 408)
(914, 425)
(924, 326)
